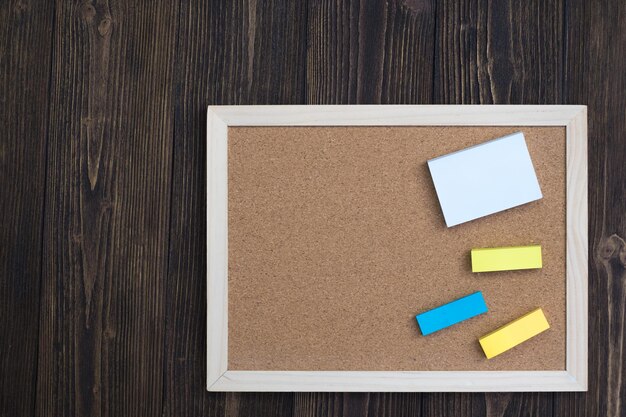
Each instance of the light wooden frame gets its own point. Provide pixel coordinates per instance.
(574, 118)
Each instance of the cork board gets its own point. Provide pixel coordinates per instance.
(336, 240)
(324, 239)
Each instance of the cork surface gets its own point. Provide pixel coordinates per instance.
(337, 241)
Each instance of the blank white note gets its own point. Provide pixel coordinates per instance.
(484, 179)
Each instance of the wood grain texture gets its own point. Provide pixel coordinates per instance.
(258, 404)
(499, 52)
(25, 51)
(107, 210)
(370, 52)
(595, 74)
(240, 52)
(216, 63)
(356, 404)
(447, 404)
(501, 405)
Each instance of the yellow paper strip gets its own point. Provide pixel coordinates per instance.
(506, 259)
(514, 333)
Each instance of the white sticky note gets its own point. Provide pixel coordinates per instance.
(484, 179)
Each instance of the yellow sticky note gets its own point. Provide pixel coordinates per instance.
(514, 333)
(506, 259)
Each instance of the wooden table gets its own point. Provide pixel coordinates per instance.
(102, 143)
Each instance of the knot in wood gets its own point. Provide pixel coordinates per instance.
(418, 6)
(20, 7)
(613, 247)
(104, 28)
(87, 12)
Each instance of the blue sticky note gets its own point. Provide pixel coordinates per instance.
(452, 313)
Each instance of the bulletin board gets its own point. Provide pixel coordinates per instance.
(325, 239)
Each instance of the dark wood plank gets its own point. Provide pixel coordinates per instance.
(332, 405)
(370, 52)
(25, 51)
(497, 52)
(512, 404)
(258, 404)
(240, 52)
(446, 404)
(595, 75)
(107, 210)
(491, 405)
(356, 404)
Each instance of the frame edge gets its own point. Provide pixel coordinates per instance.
(217, 248)
(219, 378)
(577, 286)
(400, 381)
